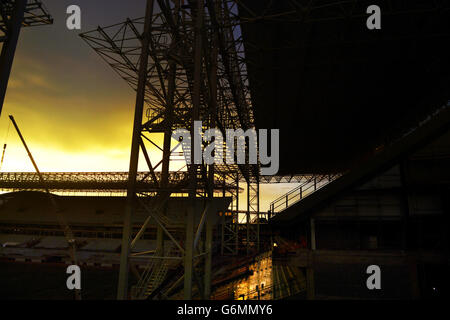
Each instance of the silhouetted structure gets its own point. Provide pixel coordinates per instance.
(15, 14)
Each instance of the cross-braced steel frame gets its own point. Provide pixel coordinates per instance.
(186, 62)
(94, 181)
(230, 219)
(15, 14)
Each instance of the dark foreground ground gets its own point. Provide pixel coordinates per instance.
(48, 282)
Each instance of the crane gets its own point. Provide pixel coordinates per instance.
(60, 217)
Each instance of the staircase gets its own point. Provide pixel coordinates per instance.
(154, 274)
(156, 278)
(312, 184)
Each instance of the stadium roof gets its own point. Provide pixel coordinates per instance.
(434, 131)
(35, 208)
(336, 90)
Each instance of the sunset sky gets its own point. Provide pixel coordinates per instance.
(74, 111)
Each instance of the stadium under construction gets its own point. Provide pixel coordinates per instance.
(364, 122)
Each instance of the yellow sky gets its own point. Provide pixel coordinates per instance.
(75, 113)
(67, 128)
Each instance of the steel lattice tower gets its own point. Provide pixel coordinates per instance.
(186, 64)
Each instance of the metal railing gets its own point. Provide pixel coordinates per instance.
(302, 191)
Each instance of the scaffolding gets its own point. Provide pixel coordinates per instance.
(186, 62)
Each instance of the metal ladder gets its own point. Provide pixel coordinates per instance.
(154, 274)
(157, 277)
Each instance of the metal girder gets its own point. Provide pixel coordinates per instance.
(195, 69)
(252, 218)
(65, 227)
(117, 181)
(181, 78)
(14, 15)
(230, 220)
(35, 14)
(119, 45)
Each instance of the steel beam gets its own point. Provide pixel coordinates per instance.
(252, 218)
(9, 46)
(122, 292)
(210, 86)
(194, 167)
(208, 258)
(13, 16)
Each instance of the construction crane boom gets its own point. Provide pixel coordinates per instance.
(60, 217)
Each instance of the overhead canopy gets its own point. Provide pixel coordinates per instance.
(337, 90)
(32, 207)
(430, 141)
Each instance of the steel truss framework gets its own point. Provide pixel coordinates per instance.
(106, 183)
(117, 181)
(93, 181)
(35, 14)
(228, 184)
(186, 61)
(15, 14)
(252, 218)
(230, 219)
(186, 64)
